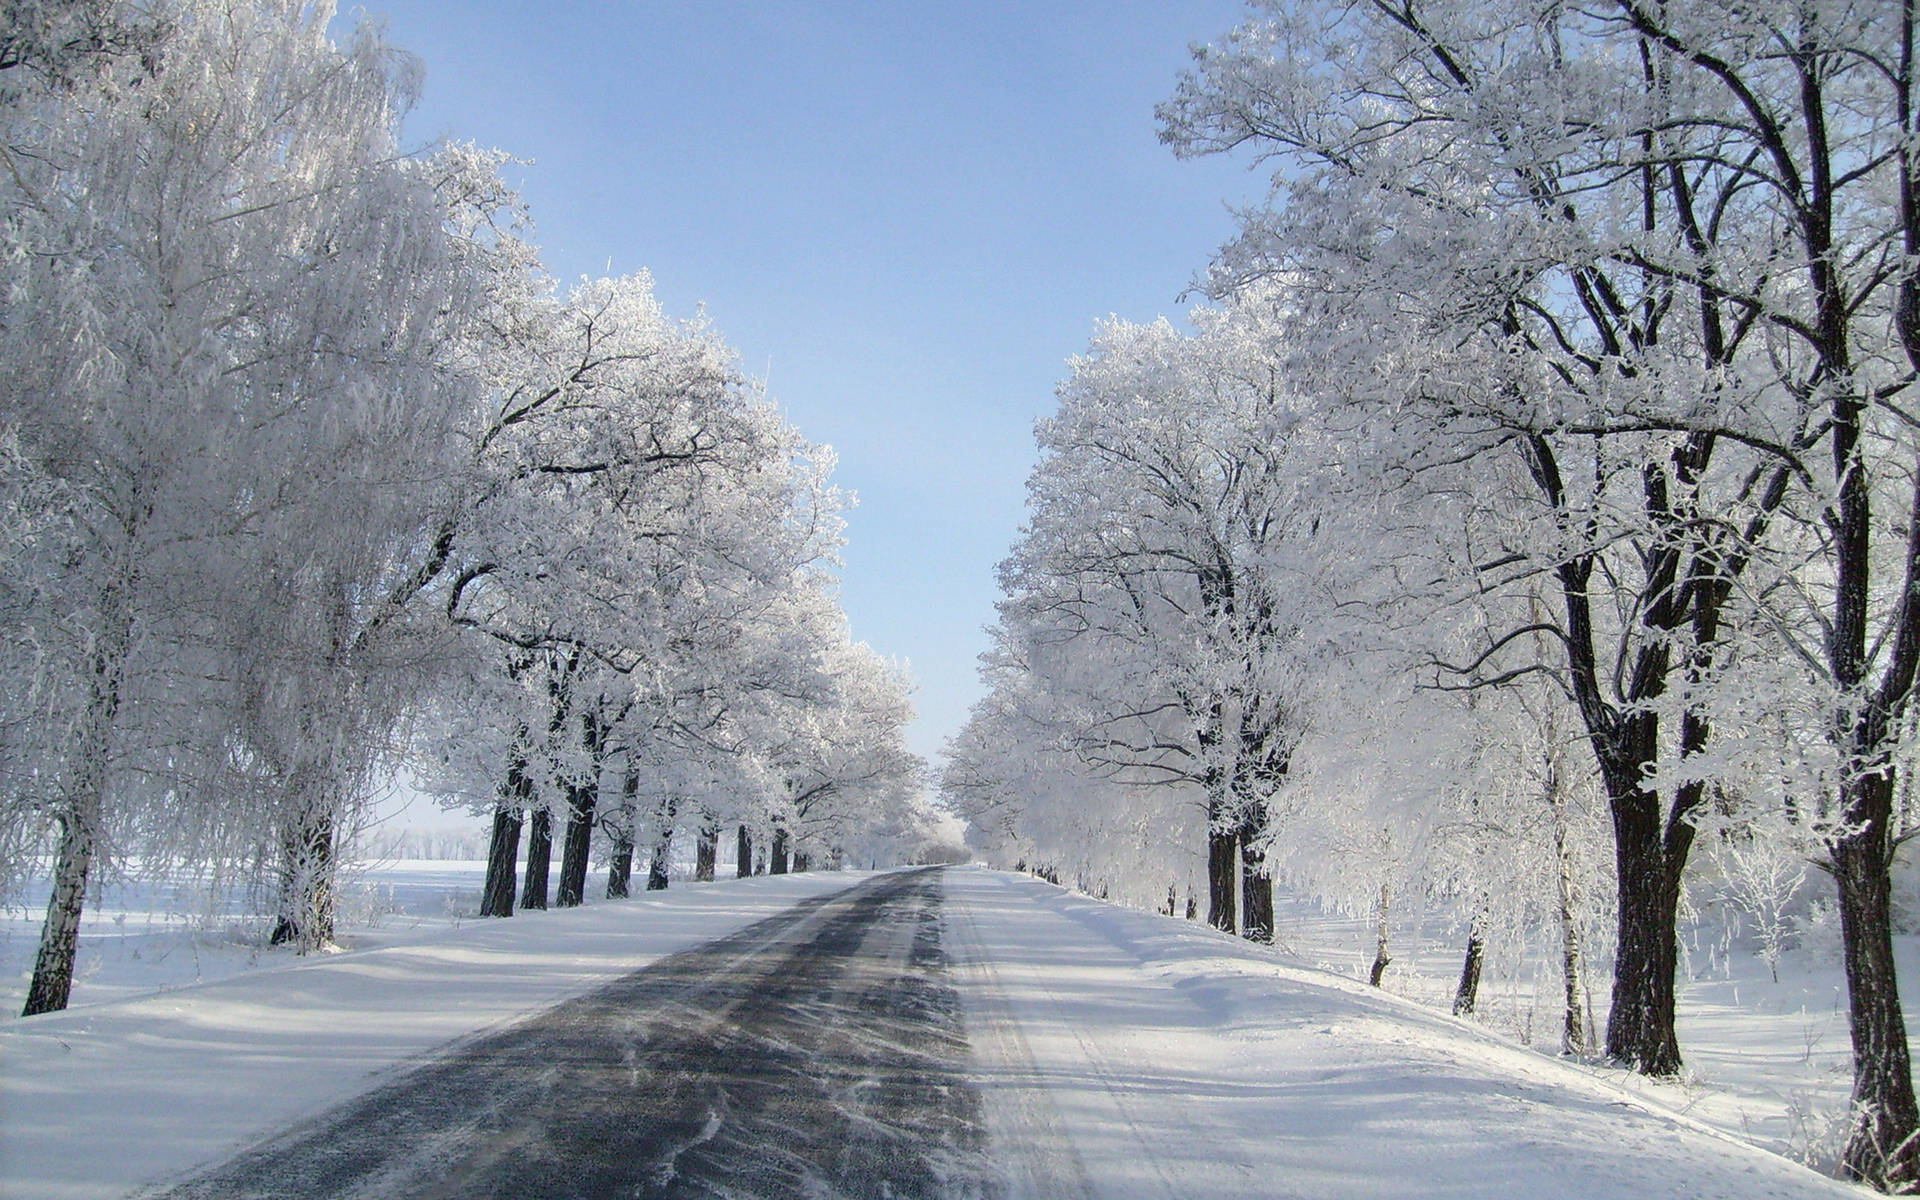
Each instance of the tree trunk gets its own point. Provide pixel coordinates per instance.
(1466, 994)
(743, 854)
(658, 867)
(620, 865)
(658, 864)
(306, 908)
(83, 805)
(801, 861)
(1223, 869)
(1257, 891)
(60, 936)
(1883, 1147)
(533, 892)
(1574, 1038)
(777, 857)
(80, 821)
(503, 853)
(575, 847)
(1640, 1029)
(1380, 956)
(620, 869)
(583, 796)
(706, 852)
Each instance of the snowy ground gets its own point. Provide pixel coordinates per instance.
(1148, 1057)
(142, 936)
(1767, 1061)
(1125, 1054)
(106, 1097)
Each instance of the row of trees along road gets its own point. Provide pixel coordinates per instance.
(1548, 467)
(309, 476)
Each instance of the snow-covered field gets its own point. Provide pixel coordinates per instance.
(1179, 1061)
(1766, 1061)
(143, 936)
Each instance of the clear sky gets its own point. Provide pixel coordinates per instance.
(904, 215)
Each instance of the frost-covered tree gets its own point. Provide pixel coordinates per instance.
(54, 44)
(1658, 260)
(1160, 621)
(228, 294)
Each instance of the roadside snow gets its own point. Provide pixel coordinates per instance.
(104, 1098)
(1126, 1055)
(1166, 1060)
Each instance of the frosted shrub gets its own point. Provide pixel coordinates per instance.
(1761, 879)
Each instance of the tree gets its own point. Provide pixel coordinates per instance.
(262, 300)
(1655, 254)
(1160, 622)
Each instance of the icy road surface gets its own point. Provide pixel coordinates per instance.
(961, 1033)
(818, 1053)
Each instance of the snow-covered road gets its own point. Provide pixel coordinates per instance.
(787, 1036)
(816, 1053)
(1131, 1056)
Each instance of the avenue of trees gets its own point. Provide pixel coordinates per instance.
(309, 476)
(1535, 505)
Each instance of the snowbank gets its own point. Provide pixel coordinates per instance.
(100, 1100)
(1185, 1063)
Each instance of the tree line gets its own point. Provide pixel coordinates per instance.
(310, 476)
(1535, 502)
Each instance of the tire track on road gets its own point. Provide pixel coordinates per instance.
(820, 1052)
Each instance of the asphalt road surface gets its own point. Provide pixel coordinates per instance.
(819, 1053)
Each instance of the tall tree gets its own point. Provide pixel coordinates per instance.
(259, 302)
(1657, 256)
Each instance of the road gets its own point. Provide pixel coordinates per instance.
(974, 1035)
(821, 1053)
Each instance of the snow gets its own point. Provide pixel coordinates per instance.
(1123, 1054)
(176, 1078)
(1183, 1062)
(1766, 1060)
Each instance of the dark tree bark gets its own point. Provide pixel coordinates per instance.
(503, 853)
(574, 849)
(60, 939)
(777, 856)
(706, 852)
(83, 806)
(743, 854)
(620, 865)
(503, 849)
(1882, 1149)
(801, 862)
(533, 890)
(583, 796)
(1640, 1023)
(1467, 994)
(620, 870)
(1256, 890)
(1223, 870)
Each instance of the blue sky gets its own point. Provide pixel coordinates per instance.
(906, 216)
